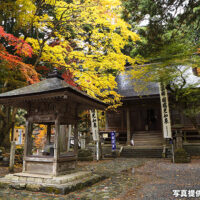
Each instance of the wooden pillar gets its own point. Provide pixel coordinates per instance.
(28, 139)
(62, 138)
(185, 136)
(106, 124)
(122, 122)
(69, 136)
(128, 126)
(76, 137)
(48, 133)
(27, 143)
(76, 131)
(56, 145)
(12, 157)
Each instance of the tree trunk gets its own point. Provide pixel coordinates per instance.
(7, 118)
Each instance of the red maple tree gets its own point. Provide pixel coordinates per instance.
(21, 49)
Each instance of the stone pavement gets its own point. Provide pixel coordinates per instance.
(118, 182)
(128, 179)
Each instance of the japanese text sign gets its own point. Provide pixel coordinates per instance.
(94, 125)
(165, 112)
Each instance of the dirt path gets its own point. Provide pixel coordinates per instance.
(157, 179)
(129, 179)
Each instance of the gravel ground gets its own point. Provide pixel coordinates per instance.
(120, 178)
(157, 180)
(128, 179)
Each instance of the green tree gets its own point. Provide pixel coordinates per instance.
(169, 33)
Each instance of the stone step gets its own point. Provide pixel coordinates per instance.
(48, 179)
(146, 145)
(155, 136)
(148, 133)
(150, 141)
(142, 153)
(149, 136)
(47, 186)
(193, 150)
(142, 156)
(144, 135)
(145, 140)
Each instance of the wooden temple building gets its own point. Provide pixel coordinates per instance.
(139, 119)
(54, 103)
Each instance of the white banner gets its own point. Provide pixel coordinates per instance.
(94, 125)
(167, 133)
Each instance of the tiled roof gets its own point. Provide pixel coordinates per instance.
(46, 86)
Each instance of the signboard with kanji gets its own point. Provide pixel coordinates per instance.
(94, 125)
(113, 140)
(167, 133)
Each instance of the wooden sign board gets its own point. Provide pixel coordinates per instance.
(94, 125)
(167, 133)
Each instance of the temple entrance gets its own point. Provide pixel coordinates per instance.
(145, 119)
(151, 120)
(146, 126)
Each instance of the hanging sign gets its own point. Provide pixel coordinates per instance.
(94, 125)
(113, 140)
(167, 133)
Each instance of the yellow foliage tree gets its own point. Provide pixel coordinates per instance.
(86, 37)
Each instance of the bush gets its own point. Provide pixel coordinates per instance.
(85, 155)
(84, 152)
(181, 156)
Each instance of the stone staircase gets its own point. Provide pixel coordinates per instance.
(153, 138)
(146, 145)
(141, 152)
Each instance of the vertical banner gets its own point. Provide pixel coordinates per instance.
(94, 125)
(167, 133)
(113, 140)
(95, 130)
